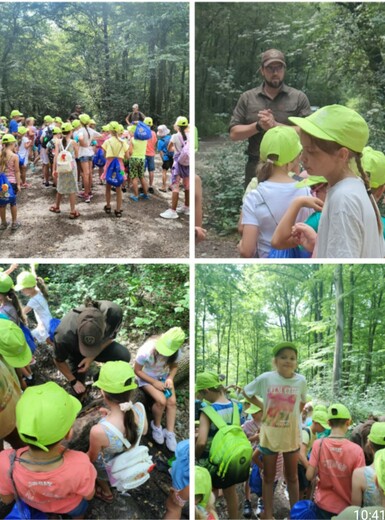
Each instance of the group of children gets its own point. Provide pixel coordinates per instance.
(43, 415)
(328, 210)
(69, 151)
(324, 472)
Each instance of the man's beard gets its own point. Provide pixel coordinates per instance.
(276, 83)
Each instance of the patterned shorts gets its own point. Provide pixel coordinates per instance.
(136, 168)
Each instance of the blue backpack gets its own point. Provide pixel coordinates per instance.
(99, 160)
(53, 325)
(114, 176)
(142, 132)
(255, 480)
(7, 195)
(28, 337)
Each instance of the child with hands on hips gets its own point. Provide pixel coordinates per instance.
(116, 380)
(156, 365)
(283, 392)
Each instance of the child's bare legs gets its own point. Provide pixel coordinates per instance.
(58, 200)
(143, 182)
(101, 169)
(160, 403)
(104, 487)
(2, 215)
(72, 199)
(45, 173)
(14, 214)
(164, 179)
(135, 186)
(84, 165)
(269, 467)
(151, 177)
(247, 490)
(108, 195)
(291, 475)
(119, 198)
(23, 175)
(174, 199)
(231, 498)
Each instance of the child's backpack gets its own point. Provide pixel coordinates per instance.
(53, 325)
(142, 132)
(47, 137)
(230, 451)
(7, 195)
(113, 174)
(28, 337)
(255, 480)
(99, 160)
(184, 156)
(64, 160)
(129, 469)
(37, 142)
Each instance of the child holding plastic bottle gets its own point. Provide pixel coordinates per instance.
(283, 392)
(47, 476)
(156, 365)
(116, 380)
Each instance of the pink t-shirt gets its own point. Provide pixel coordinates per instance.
(57, 491)
(151, 145)
(338, 459)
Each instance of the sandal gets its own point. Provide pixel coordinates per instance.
(54, 209)
(118, 213)
(107, 209)
(74, 214)
(163, 190)
(101, 495)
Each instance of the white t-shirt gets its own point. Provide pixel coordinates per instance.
(23, 151)
(348, 226)
(43, 317)
(177, 140)
(276, 197)
(87, 151)
(280, 430)
(156, 368)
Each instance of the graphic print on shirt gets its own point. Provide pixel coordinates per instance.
(280, 405)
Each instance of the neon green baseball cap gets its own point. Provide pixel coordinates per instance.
(253, 408)
(66, 127)
(113, 376)
(75, 123)
(57, 130)
(48, 119)
(206, 380)
(13, 346)
(92, 122)
(15, 113)
(149, 122)
(373, 162)
(282, 141)
(58, 119)
(379, 466)
(85, 119)
(131, 128)
(181, 121)
(25, 280)
(285, 344)
(22, 130)
(312, 180)
(8, 138)
(320, 408)
(45, 414)
(106, 128)
(170, 341)
(6, 283)
(321, 417)
(338, 411)
(336, 123)
(114, 126)
(377, 433)
(203, 484)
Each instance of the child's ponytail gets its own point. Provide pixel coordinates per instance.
(265, 169)
(130, 425)
(3, 158)
(366, 181)
(42, 287)
(182, 131)
(16, 303)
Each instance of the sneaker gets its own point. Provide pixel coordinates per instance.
(247, 511)
(169, 214)
(170, 440)
(144, 196)
(260, 506)
(46, 184)
(15, 226)
(4, 226)
(151, 190)
(157, 433)
(87, 199)
(183, 209)
(135, 199)
(81, 194)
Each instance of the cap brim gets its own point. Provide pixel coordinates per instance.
(310, 128)
(90, 351)
(273, 60)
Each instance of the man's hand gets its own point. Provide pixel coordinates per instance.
(85, 364)
(79, 388)
(266, 119)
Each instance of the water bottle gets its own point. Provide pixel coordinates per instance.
(167, 393)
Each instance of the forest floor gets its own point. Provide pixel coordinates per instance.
(146, 501)
(215, 246)
(140, 233)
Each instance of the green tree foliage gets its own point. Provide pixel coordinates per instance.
(105, 56)
(334, 53)
(334, 313)
(153, 297)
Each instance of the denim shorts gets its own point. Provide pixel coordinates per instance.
(86, 158)
(149, 163)
(80, 509)
(266, 451)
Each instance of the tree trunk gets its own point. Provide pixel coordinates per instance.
(337, 364)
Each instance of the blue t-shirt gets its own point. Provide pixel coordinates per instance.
(162, 147)
(180, 469)
(13, 126)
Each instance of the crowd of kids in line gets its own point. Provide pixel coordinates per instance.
(69, 151)
(40, 472)
(327, 210)
(269, 431)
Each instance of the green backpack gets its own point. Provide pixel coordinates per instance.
(230, 450)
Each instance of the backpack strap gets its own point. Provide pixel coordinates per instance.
(118, 433)
(216, 419)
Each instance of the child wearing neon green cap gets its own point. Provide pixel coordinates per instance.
(47, 476)
(333, 139)
(137, 154)
(25, 144)
(364, 489)
(156, 365)
(334, 459)
(204, 497)
(9, 164)
(264, 206)
(123, 417)
(283, 392)
(86, 135)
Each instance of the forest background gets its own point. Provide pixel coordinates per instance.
(335, 54)
(334, 313)
(103, 56)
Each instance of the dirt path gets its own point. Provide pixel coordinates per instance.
(214, 246)
(140, 233)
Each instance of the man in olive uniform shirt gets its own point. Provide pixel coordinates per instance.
(266, 106)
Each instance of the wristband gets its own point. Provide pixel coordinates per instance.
(259, 128)
(73, 382)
